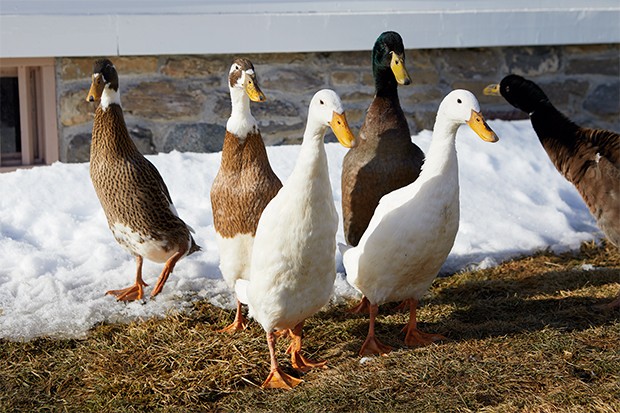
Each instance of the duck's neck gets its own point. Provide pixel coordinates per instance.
(441, 157)
(557, 134)
(311, 165)
(385, 82)
(109, 97)
(552, 127)
(110, 137)
(241, 121)
(241, 154)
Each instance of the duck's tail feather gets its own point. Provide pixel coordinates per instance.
(241, 289)
(193, 246)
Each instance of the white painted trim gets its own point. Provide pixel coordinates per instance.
(37, 109)
(25, 115)
(133, 27)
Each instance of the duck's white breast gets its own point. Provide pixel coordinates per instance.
(293, 262)
(235, 257)
(141, 244)
(405, 244)
(241, 126)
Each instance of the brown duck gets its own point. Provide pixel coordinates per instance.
(245, 182)
(384, 158)
(133, 194)
(588, 158)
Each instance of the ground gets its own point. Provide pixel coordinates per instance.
(523, 336)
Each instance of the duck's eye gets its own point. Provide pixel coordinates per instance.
(459, 101)
(322, 103)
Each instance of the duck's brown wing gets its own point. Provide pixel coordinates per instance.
(594, 169)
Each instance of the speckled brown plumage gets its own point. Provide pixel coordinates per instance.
(588, 158)
(244, 185)
(129, 187)
(384, 158)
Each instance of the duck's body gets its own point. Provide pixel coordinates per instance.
(587, 158)
(244, 184)
(413, 229)
(410, 234)
(590, 160)
(293, 261)
(133, 194)
(384, 158)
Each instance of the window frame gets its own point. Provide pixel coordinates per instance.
(36, 79)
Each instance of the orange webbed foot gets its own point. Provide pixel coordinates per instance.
(237, 325)
(278, 379)
(303, 364)
(298, 361)
(363, 307)
(373, 346)
(135, 292)
(283, 334)
(417, 338)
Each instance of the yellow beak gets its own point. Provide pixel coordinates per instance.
(398, 68)
(252, 89)
(492, 90)
(479, 125)
(341, 129)
(96, 89)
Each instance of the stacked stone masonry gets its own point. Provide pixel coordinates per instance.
(182, 102)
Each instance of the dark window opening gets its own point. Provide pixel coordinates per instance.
(10, 132)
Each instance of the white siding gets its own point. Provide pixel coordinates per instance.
(134, 27)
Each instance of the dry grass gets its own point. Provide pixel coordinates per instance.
(522, 337)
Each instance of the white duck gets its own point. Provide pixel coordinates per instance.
(293, 265)
(413, 228)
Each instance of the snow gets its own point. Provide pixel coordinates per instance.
(58, 257)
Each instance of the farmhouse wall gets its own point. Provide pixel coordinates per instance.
(182, 102)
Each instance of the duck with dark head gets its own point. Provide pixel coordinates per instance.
(384, 157)
(588, 158)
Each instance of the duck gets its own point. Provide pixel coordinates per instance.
(587, 158)
(413, 228)
(132, 193)
(293, 267)
(244, 184)
(384, 158)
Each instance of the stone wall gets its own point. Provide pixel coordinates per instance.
(182, 102)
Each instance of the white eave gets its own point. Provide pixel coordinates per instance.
(38, 28)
